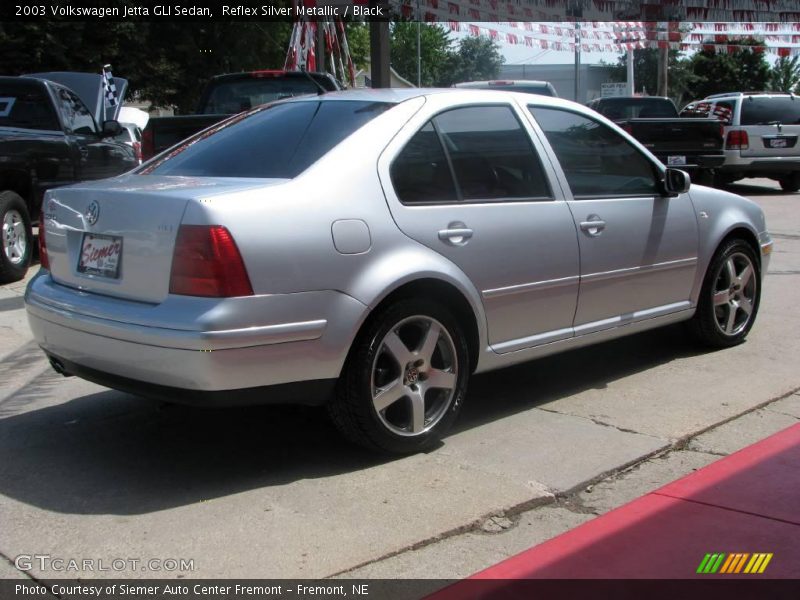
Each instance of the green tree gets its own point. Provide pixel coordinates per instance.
(740, 71)
(437, 54)
(645, 73)
(785, 75)
(476, 59)
(165, 62)
(358, 43)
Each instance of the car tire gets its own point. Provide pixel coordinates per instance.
(385, 399)
(16, 237)
(730, 296)
(722, 180)
(790, 183)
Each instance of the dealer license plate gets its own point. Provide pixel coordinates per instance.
(100, 255)
(777, 142)
(676, 161)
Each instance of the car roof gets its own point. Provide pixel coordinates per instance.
(520, 82)
(398, 95)
(747, 94)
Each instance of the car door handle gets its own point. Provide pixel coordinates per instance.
(594, 226)
(456, 234)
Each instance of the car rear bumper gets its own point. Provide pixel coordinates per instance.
(755, 166)
(189, 357)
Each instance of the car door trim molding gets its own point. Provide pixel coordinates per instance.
(626, 319)
(527, 287)
(629, 271)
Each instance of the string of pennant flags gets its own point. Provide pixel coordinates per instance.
(620, 37)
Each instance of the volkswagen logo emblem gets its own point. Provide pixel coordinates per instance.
(92, 213)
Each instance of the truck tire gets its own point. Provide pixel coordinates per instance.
(790, 183)
(16, 237)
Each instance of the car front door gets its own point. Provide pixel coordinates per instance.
(96, 157)
(469, 183)
(638, 247)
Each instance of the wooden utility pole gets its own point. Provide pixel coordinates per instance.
(379, 53)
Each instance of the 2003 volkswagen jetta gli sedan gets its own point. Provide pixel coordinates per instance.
(370, 250)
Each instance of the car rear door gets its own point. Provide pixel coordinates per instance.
(468, 182)
(773, 126)
(638, 249)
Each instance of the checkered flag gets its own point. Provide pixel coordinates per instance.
(109, 89)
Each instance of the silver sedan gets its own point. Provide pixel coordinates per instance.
(371, 250)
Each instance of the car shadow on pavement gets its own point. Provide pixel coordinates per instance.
(113, 453)
(501, 393)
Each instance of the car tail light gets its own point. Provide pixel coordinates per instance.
(737, 140)
(206, 262)
(44, 260)
(148, 144)
(137, 151)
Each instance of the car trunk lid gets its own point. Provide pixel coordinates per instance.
(117, 237)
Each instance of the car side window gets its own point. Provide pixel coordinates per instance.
(77, 117)
(491, 154)
(420, 173)
(597, 161)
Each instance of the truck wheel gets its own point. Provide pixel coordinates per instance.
(790, 183)
(721, 180)
(16, 237)
(404, 382)
(703, 177)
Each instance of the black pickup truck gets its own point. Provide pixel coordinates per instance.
(49, 137)
(690, 144)
(229, 94)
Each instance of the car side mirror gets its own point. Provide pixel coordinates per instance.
(676, 182)
(111, 129)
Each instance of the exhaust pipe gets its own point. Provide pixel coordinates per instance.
(59, 368)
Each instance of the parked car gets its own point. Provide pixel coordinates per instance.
(131, 135)
(370, 250)
(50, 135)
(761, 133)
(228, 94)
(528, 86)
(694, 146)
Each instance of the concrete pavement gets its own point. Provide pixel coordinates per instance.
(273, 492)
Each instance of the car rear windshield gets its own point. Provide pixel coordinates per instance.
(637, 109)
(26, 107)
(762, 111)
(230, 97)
(276, 141)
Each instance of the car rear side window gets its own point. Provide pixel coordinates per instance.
(421, 172)
(26, 107)
(597, 161)
(478, 153)
(768, 110)
(722, 111)
(275, 141)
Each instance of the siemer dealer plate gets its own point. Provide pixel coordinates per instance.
(100, 255)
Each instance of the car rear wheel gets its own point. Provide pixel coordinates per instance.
(790, 183)
(405, 379)
(729, 297)
(16, 237)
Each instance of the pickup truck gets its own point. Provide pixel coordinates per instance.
(690, 144)
(229, 94)
(49, 137)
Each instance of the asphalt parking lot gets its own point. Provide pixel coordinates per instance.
(273, 492)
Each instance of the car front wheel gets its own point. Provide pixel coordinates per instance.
(16, 237)
(790, 183)
(405, 379)
(729, 297)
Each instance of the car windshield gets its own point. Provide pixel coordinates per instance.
(767, 110)
(235, 96)
(275, 141)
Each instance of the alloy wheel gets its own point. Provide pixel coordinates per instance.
(735, 294)
(15, 237)
(414, 376)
